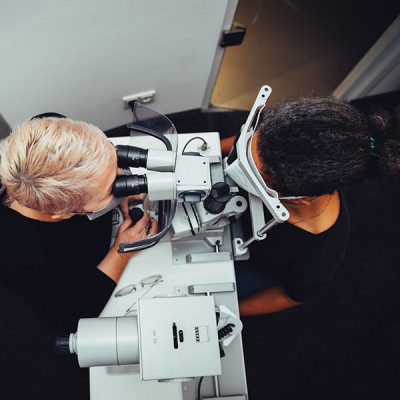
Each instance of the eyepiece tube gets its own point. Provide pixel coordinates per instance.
(129, 185)
(161, 160)
(131, 156)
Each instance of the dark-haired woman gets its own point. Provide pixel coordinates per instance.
(310, 149)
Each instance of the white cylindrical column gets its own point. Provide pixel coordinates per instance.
(161, 186)
(101, 341)
(161, 160)
(127, 340)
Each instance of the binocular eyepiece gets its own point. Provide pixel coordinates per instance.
(126, 185)
(130, 156)
(129, 185)
(162, 186)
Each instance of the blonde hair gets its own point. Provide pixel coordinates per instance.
(49, 164)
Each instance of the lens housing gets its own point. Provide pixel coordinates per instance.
(129, 185)
(131, 156)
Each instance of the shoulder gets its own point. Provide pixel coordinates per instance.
(332, 216)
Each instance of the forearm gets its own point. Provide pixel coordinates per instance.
(226, 145)
(113, 264)
(268, 301)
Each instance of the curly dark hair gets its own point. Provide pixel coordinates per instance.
(317, 145)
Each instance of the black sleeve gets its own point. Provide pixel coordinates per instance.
(60, 297)
(315, 268)
(315, 259)
(300, 283)
(49, 267)
(98, 290)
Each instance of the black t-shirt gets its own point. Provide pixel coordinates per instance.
(299, 260)
(52, 266)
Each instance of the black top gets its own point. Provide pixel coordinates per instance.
(303, 262)
(52, 266)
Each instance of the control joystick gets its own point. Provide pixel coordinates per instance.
(135, 213)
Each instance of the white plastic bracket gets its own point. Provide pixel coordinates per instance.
(142, 97)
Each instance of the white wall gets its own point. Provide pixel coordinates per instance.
(80, 57)
(378, 72)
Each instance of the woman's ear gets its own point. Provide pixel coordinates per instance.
(60, 217)
(305, 201)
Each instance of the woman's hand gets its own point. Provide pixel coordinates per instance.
(114, 263)
(143, 228)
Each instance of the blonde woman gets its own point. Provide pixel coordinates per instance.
(56, 173)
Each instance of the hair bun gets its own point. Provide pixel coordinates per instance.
(383, 127)
(380, 124)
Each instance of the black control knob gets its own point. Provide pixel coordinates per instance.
(216, 200)
(135, 213)
(62, 344)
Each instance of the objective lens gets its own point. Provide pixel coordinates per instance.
(129, 185)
